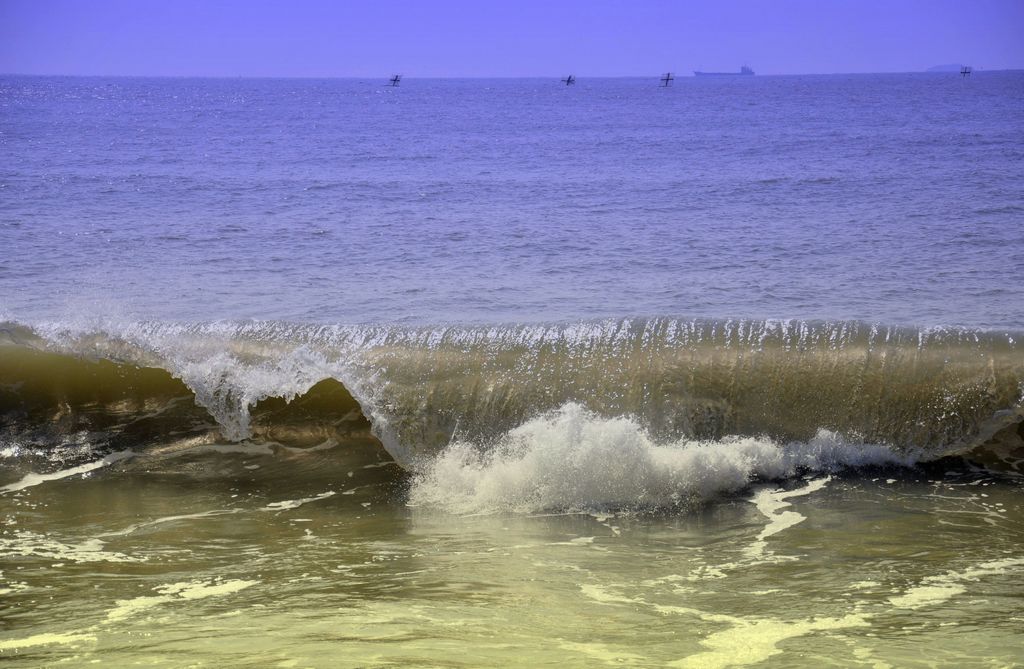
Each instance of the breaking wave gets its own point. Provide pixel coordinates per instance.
(631, 412)
(572, 459)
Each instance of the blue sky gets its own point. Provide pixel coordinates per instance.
(312, 38)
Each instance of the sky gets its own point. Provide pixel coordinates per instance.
(481, 38)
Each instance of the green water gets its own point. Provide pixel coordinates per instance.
(236, 556)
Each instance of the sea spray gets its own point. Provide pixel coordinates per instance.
(574, 460)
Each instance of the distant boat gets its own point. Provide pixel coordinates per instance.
(743, 71)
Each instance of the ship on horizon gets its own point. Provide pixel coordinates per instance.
(743, 71)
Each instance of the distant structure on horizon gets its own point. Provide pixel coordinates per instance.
(744, 71)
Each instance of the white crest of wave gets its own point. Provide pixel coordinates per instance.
(229, 366)
(572, 459)
(228, 388)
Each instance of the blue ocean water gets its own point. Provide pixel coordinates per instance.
(894, 199)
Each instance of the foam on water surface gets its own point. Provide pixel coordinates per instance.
(26, 543)
(938, 589)
(176, 592)
(573, 459)
(33, 479)
(289, 504)
(750, 642)
(771, 503)
(46, 639)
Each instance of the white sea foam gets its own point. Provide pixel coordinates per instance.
(46, 639)
(170, 519)
(574, 459)
(26, 543)
(227, 387)
(772, 504)
(938, 589)
(288, 504)
(172, 592)
(283, 505)
(752, 641)
(30, 480)
(744, 641)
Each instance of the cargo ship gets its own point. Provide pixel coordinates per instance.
(743, 71)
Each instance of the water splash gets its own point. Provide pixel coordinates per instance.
(572, 459)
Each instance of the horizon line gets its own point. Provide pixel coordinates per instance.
(383, 76)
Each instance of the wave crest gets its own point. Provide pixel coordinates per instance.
(574, 460)
(944, 391)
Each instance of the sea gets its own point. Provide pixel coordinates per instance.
(508, 372)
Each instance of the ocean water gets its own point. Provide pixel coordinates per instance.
(462, 373)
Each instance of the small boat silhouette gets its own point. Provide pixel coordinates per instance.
(743, 71)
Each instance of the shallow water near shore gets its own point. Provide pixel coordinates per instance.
(276, 557)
